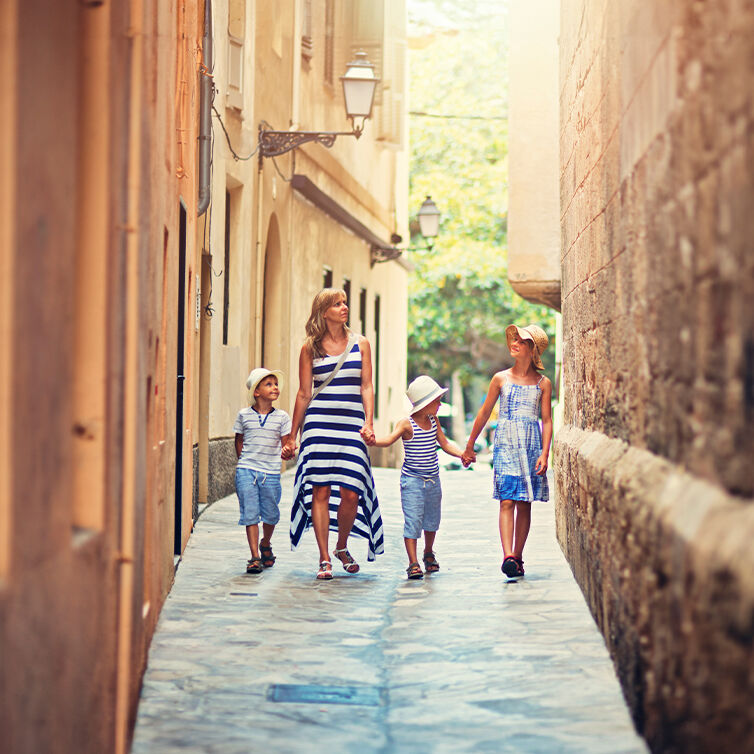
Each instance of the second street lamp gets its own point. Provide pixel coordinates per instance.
(429, 226)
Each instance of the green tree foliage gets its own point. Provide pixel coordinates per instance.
(460, 301)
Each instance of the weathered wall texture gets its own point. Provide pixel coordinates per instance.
(655, 466)
(99, 99)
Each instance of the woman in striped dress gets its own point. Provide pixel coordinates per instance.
(334, 488)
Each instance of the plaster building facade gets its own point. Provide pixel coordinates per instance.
(97, 208)
(653, 463)
(117, 389)
(281, 228)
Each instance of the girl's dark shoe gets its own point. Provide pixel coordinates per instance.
(254, 566)
(268, 559)
(414, 571)
(511, 567)
(430, 562)
(520, 566)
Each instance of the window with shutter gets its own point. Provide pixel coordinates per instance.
(368, 34)
(236, 33)
(307, 40)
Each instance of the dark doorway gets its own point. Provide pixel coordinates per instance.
(180, 378)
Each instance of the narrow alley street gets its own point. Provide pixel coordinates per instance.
(461, 661)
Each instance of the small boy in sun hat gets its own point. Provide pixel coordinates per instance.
(260, 432)
(421, 493)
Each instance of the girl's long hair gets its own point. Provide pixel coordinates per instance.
(316, 328)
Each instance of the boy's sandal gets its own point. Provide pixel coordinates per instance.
(325, 571)
(349, 564)
(254, 566)
(268, 559)
(414, 571)
(430, 562)
(510, 567)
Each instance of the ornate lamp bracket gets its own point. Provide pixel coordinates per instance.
(274, 143)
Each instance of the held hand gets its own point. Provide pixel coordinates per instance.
(468, 457)
(289, 450)
(540, 467)
(367, 434)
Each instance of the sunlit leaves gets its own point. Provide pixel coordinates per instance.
(460, 300)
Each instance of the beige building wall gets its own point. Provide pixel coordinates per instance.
(533, 149)
(99, 127)
(654, 465)
(282, 236)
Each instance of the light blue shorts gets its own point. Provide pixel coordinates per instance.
(258, 497)
(420, 500)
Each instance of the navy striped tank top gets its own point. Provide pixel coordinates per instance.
(421, 451)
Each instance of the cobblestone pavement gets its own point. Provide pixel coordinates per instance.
(463, 661)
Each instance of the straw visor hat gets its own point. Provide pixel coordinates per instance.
(533, 333)
(422, 391)
(258, 374)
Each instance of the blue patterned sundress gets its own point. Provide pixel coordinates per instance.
(518, 444)
(333, 453)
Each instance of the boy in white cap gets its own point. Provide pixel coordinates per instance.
(260, 431)
(421, 493)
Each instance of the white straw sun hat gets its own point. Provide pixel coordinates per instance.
(258, 374)
(422, 391)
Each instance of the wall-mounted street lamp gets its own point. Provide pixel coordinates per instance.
(359, 84)
(429, 226)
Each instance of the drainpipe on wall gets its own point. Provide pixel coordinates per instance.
(205, 113)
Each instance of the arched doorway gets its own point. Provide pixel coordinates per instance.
(272, 304)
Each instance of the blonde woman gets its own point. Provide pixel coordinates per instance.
(335, 405)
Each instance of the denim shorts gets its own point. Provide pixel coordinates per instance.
(420, 500)
(258, 497)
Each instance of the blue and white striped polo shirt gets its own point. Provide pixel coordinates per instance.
(421, 451)
(261, 438)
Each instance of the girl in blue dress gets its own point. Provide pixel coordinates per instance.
(521, 449)
(334, 488)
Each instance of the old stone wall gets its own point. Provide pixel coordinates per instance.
(654, 466)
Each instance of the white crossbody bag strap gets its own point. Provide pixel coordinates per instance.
(351, 340)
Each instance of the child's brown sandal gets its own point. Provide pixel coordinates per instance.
(430, 562)
(254, 566)
(414, 571)
(268, 559)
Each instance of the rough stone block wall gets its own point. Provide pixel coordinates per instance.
(655, 465)
(222, 468)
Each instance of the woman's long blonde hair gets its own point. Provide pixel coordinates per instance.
(316, 328)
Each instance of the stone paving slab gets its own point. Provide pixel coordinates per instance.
(463, 661)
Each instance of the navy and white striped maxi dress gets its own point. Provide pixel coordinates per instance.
(333, 453)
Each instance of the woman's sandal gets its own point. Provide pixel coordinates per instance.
(430, 562)
(254, 566)
(268, 559)
(325, 571)
(349, 564)
(414, 571)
